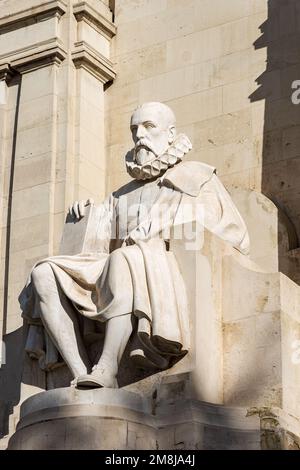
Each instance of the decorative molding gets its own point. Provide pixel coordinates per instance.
(95, 63)
(84, 12)
(21, 18)
(86, 56)
(6, 73)
(35, 57)
(43, 58)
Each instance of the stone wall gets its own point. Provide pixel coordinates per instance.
(198, 57)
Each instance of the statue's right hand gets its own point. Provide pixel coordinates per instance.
(77, 209)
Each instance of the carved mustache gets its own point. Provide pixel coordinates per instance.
(143, 144)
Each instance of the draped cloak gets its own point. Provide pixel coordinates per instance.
(131, 270)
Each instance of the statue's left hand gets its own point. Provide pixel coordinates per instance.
(139, 233)
(128, 241)
(77, 209)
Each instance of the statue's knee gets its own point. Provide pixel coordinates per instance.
(41, 277)
(120, 253)
(116, 256)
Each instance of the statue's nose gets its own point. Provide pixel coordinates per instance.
(140, 133)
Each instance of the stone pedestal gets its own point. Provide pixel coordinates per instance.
(166, 418)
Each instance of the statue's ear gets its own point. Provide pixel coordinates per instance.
(172, 134)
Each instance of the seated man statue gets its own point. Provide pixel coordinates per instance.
(132, 281)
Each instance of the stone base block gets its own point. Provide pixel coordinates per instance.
(68, 418)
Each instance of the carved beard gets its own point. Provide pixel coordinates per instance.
(144, 152)
(157, 165)
(144, 155)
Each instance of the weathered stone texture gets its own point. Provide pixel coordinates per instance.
(204, 66)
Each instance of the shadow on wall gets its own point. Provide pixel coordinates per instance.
(281, 138)
(11, 371)
(10, 377)
(16, 81)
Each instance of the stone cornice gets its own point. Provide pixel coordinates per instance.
(32, 58)
(5, 71)
(20, 18)
(95, 63)
(84, 12)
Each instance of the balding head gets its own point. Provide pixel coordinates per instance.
(153, 130)
(162, 111)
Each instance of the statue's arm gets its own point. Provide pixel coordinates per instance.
(222, 217)
(78, 209)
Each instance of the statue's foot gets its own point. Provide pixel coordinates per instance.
(99, 377)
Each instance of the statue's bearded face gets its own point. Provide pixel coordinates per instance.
(152, 132)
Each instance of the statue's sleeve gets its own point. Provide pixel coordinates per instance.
(220, 215)
(103, 223)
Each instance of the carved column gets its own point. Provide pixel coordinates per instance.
(90, 55)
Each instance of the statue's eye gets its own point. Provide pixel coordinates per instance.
(149, 125)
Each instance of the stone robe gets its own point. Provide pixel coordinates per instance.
(132, 271)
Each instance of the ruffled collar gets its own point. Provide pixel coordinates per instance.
(159, 165)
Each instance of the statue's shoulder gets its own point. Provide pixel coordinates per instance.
(127, 188)
(189, 177)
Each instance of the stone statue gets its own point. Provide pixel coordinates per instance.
(131, 283)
